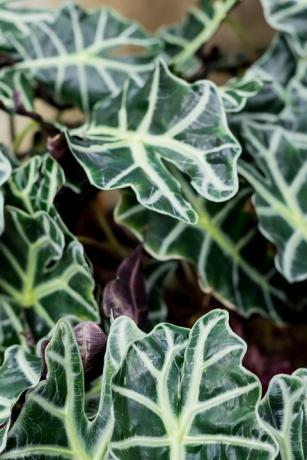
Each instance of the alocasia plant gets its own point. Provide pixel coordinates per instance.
(93, 64)
(209, 175)
(126, 144)
(205, 415)
(284, 413)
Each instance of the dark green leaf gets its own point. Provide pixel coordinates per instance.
(129, 141)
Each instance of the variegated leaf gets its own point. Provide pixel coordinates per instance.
(198, 401)
(34, 185)
(89, 60)
(201, 23)
(15, 89)
(13, 328)
(18, 21)
(284, 413)
(222, 247)
(5, 171)
(283, 96)
(18, 372)
(238, 91)
(128, 142)
(289, 17)
(280, 183)
(56, 406)
(41, 273)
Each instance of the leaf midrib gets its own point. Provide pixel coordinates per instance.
(87, 57)
(221, 9)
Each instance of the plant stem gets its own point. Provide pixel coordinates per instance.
(20, 136)
(87, 241)
(242, 34)
(113, 242)
(12, 129)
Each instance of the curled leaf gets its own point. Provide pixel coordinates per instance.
(92, 345)
(126, 295)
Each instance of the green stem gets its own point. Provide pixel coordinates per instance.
(23, 133)
(87, 241)
(241, 33)
(12, 129)
(113, 242)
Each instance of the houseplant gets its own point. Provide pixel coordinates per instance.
(212, 176)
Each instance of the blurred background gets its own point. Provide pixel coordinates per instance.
(155, 13)
(245, 32)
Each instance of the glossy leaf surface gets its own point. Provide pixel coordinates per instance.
(221, 251)
(289, 16)
(284, 413)
(58, 402)
(205, 415)
(18, 372)
(130, 141)
(280, 184)
(186, 410)
(78, 57)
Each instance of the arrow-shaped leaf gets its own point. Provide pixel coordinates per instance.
(222, 247)
(129, 140)
(56, 406)
(280, 184)
(185, 410)
(80, 57)
(284, 413)
(198, 401)
(40, 273)
(43, 269)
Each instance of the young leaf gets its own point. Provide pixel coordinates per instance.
(92, 345)
(56, 406)
(280, 184)
(126, 295)
(183, 40)
(284, 413)
(198, 401)
(222, 247)
(5, 171)
(128, 141)
(40, 272)
(79, 56)
(289, 17)
(18, 372)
